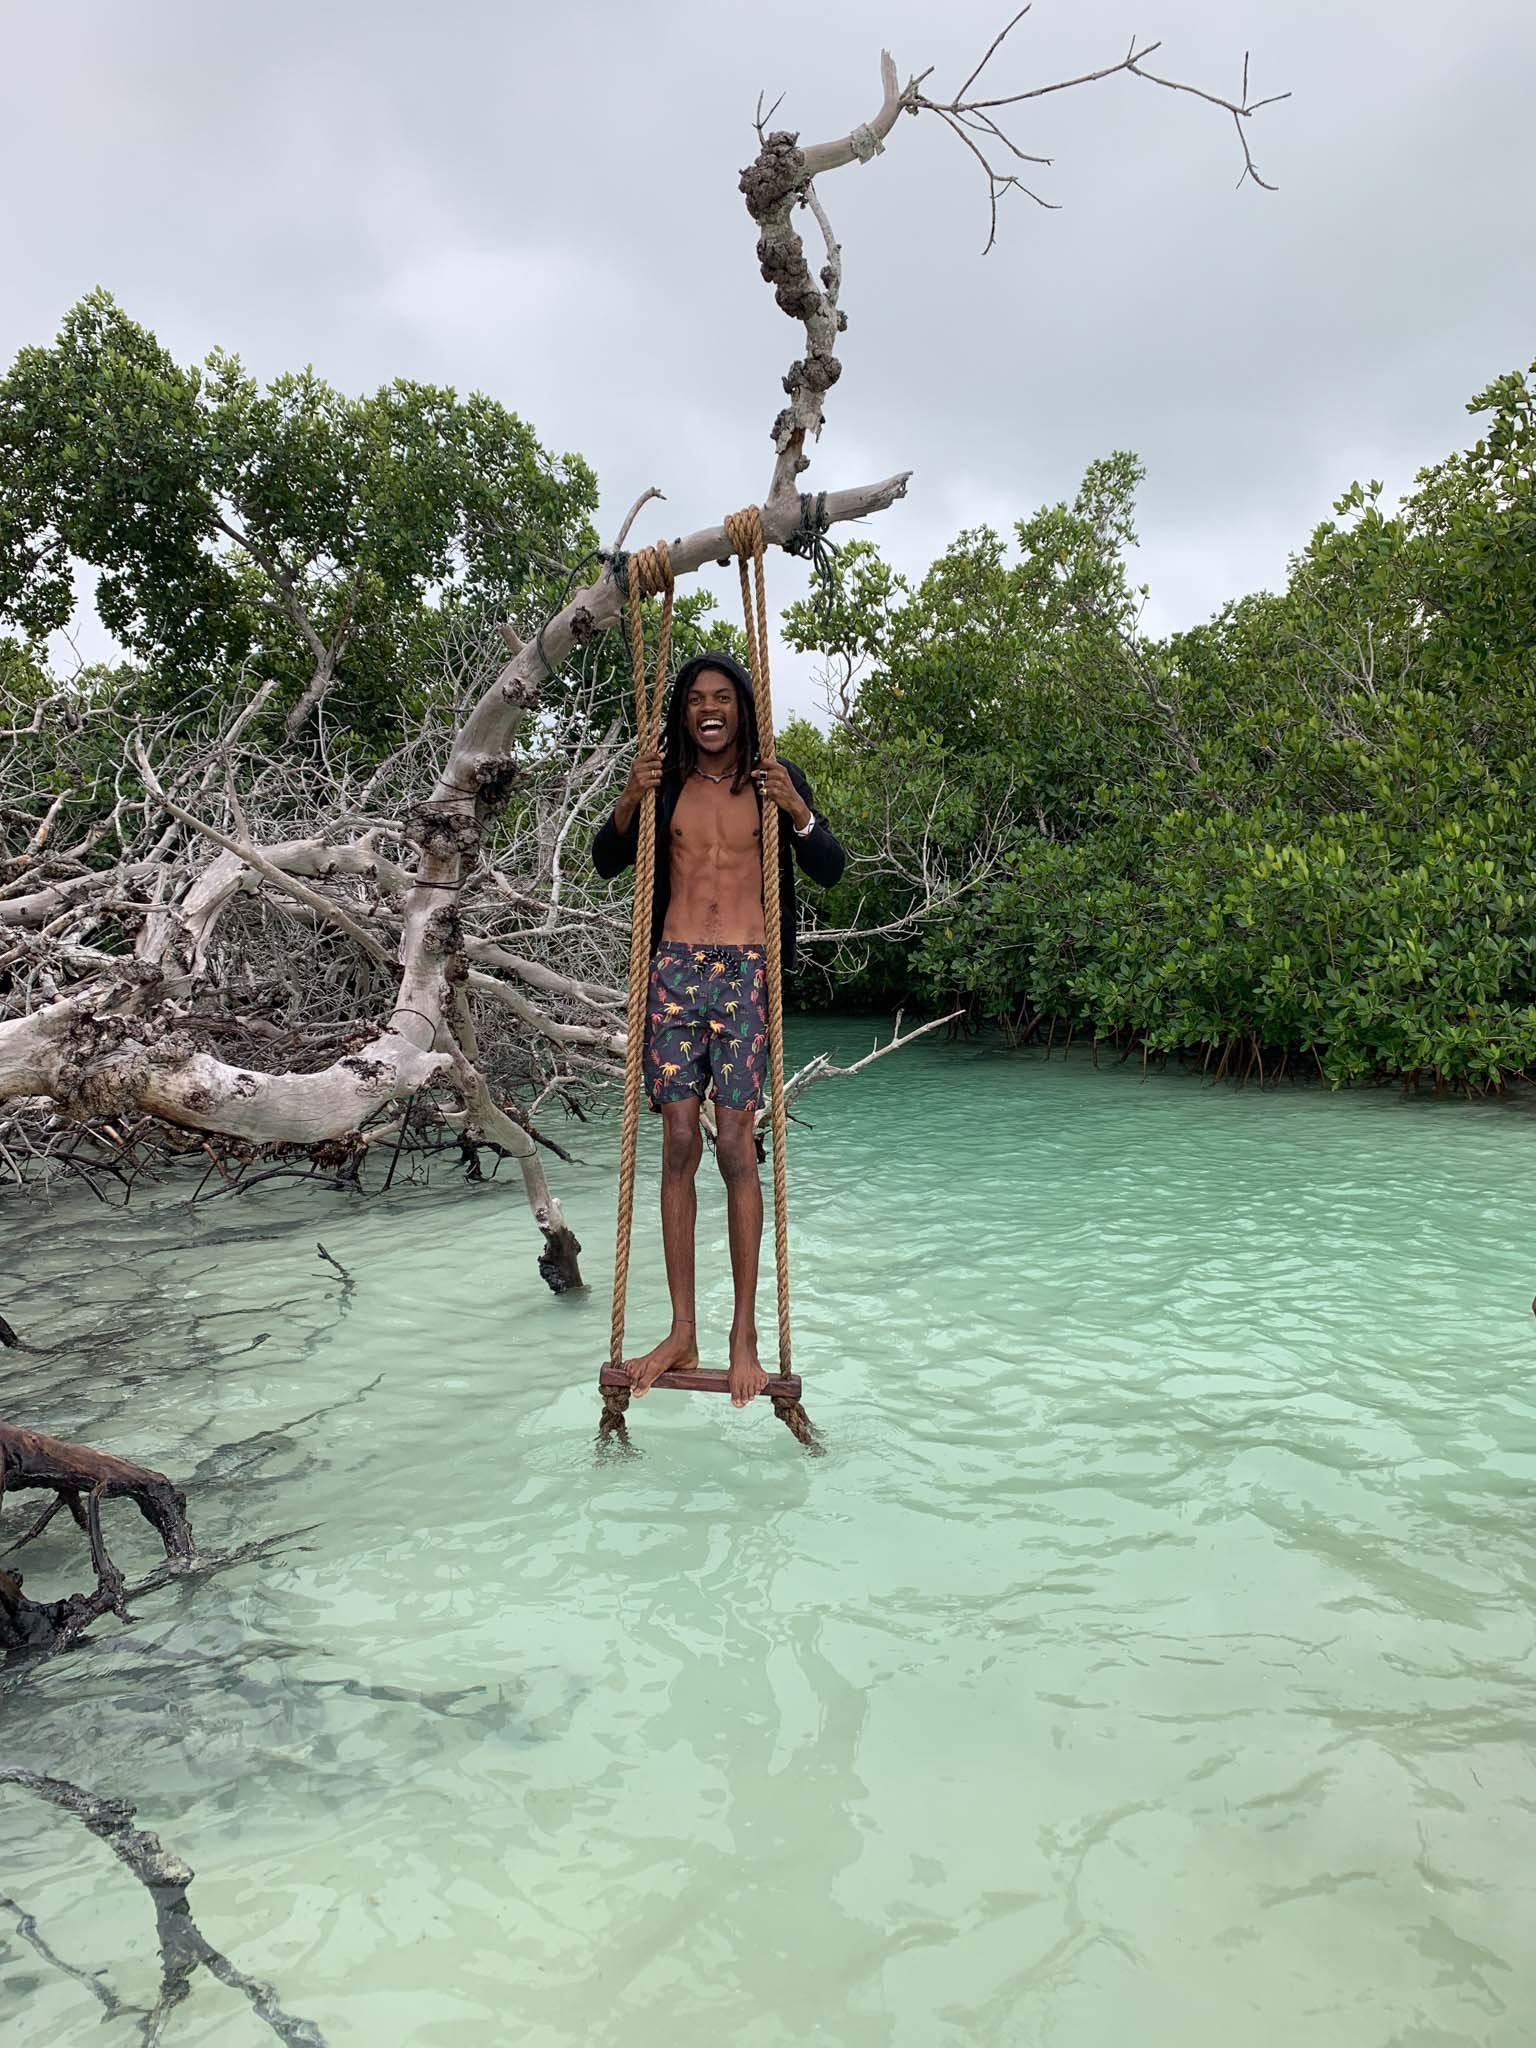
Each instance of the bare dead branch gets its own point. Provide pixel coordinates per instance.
(823, 1067)
(962, 112)
(634, 512)
(761, 119)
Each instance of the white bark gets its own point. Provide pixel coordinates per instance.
(235, 874)
(205, 1094)
(54, 899)
(31, 1047)
(77, 1054)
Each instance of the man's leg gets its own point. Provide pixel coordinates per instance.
(681, 1147)
(736, 1150)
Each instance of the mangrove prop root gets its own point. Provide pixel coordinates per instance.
(79, 1475)
(46, 1626)
(29, 1624)
(81, 1479)
(184, 1949)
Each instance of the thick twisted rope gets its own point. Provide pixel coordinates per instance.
(744, 531)
(646, 571)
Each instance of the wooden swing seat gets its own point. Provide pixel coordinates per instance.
(694, 1380)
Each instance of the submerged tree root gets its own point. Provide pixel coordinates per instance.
(81, 1479)
(112, 2006)
(48, 1625)
(184, 1949)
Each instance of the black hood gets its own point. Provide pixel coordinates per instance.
(678, 747)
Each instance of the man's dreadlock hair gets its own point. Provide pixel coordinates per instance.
(682, 754)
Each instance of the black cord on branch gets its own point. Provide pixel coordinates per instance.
(809, 541)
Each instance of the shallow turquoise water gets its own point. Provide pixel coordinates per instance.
(1150, 1658)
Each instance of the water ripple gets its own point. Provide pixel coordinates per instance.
(1154, 1651)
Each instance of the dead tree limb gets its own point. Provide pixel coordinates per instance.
(967, 116)
(79, 1475)
(822, 1067)
(45, 1626)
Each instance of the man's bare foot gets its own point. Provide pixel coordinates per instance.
(746, 1378)
(677, 1352)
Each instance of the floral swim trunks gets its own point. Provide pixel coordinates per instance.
(706, 1019)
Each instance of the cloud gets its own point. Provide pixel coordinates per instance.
(543, 203)
(458, 294)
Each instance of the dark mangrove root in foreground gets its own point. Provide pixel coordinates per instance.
(81, 1479)
(183, 1947)
(29, 1624)
(48, 1625)
(75, 1473)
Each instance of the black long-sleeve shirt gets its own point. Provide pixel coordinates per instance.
(818, 853)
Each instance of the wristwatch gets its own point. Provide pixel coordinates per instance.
(804, 831)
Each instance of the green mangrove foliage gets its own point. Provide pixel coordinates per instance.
(356, 551)
(283, 531)
(1303, 834)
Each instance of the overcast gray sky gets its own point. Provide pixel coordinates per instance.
(541, 202)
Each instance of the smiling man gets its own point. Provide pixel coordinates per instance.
(707, 1008)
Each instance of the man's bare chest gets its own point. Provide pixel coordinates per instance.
(713, 823)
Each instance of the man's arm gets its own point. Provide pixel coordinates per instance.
(820, 854)
(618, 838)
(614, 848)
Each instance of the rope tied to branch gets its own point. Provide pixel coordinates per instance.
(744, 533)
(647, 570)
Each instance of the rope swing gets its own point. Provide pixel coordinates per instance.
(647, 572)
